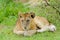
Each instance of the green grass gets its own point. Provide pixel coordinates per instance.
(9, 14)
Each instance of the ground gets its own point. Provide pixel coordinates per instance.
(9, 14)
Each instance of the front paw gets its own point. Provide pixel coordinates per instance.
(29, 33)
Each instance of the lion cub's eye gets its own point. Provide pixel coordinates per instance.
(20, 16)
(27, 20)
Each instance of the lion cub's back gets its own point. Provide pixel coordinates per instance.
(41, 21)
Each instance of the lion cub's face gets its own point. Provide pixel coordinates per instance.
(25, 19)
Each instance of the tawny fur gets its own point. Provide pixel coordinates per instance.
(20, 26)
(43, 24)
(31, 27)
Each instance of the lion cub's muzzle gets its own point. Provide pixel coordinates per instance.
(26, 24)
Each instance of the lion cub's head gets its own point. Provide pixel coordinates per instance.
(26, 19)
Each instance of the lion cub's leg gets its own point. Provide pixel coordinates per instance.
(51, 28)
(29, 33)
(45, 28)
(18, 32)
(18, 29)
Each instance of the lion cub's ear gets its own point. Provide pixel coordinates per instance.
(20, 14)
(32, 14)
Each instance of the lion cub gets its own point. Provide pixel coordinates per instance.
(28, 24)
(25, 25)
